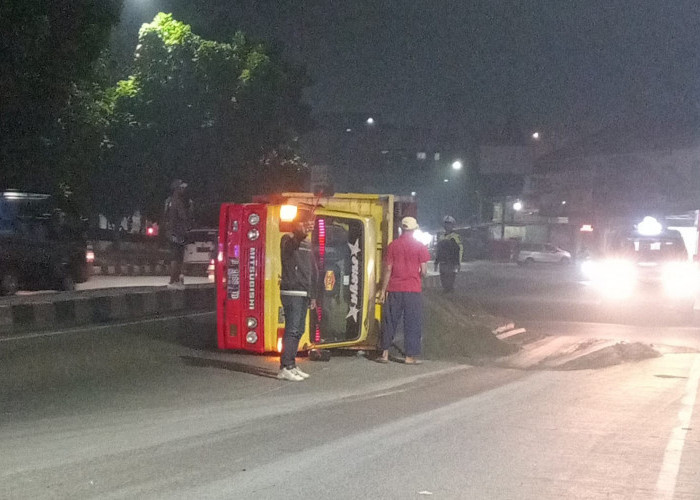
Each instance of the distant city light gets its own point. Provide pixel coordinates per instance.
(536, 136)
(370, 121)
(563, 202)
(457, 165)
(348, 130)
(518, 206)
(586, 228)
(413, 193)
(445, 180)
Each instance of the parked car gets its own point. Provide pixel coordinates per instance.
(200, 249)
(42, 246)
(531, 253)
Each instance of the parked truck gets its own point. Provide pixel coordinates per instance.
(351, 233)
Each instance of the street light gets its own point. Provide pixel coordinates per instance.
(457, 165)
(518, 206)
(370, 121)
(536, 136)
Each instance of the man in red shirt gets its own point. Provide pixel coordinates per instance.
(405, 264)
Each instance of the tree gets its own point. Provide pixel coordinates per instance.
(48, 49)
(200, 110)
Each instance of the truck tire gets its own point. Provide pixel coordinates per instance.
(67, 284)
(9, 282)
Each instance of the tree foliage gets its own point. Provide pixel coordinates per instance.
(201, 110)
(48, 50)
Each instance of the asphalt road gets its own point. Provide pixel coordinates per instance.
(153, 410)
(556, 300)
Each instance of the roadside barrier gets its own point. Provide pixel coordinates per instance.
(65, 309)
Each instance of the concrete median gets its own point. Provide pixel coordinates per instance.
(21, 314)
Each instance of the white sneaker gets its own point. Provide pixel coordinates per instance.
(289, 374)
(298, 371)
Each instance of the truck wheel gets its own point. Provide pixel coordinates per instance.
(319, 355)
(67, 284)
(9, 283)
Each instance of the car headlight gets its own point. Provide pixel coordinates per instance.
(614, 278)
(680, 279)
(588, 269)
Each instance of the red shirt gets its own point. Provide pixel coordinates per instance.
(405, 255)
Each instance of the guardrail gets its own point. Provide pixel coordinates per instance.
(67, 309)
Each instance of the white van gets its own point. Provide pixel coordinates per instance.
(200, 249)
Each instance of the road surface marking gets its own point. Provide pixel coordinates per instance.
(666, 482)
(101, 327)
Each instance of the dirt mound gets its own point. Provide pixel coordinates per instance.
(622, 352)
(456, 327)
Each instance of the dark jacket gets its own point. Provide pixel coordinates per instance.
(449, 249)
(178, 218)
(299, 272)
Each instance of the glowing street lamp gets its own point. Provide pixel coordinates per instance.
(370, 121)
(457, 165)
(518, 206)
(536, 136)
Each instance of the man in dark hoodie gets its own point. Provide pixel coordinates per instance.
(178, 219)
(298, 292)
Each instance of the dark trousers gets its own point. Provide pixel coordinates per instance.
(295, 309)
(409, 306)
(177, 256)
(448, 273)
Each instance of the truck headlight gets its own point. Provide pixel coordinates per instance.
(251, 337)
(252, 322)
(253, 234)
(253, 219)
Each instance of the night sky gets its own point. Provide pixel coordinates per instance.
(562, 66)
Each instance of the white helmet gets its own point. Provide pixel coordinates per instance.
(448, 220)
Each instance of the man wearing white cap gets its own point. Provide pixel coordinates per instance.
(405, 264)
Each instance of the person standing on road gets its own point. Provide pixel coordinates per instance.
(298, 293)
(178, 219)
(405, 264)
(448, 256)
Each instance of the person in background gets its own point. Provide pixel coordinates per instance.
(406, 263)
(448, 256)
(178, 220)
(298, 293)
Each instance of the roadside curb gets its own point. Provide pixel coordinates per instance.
(91, 307)
(131, 270)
